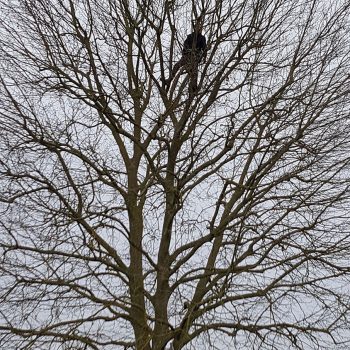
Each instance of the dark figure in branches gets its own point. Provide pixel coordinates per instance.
(193, 52)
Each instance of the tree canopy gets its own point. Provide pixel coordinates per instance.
(139, 216)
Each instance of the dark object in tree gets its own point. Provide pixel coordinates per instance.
(194, 41)
(193, 52)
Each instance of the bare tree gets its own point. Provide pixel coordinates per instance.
(141, 216)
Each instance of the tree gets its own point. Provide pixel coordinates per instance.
(136, 216)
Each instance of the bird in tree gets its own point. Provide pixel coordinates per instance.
(193, 53)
